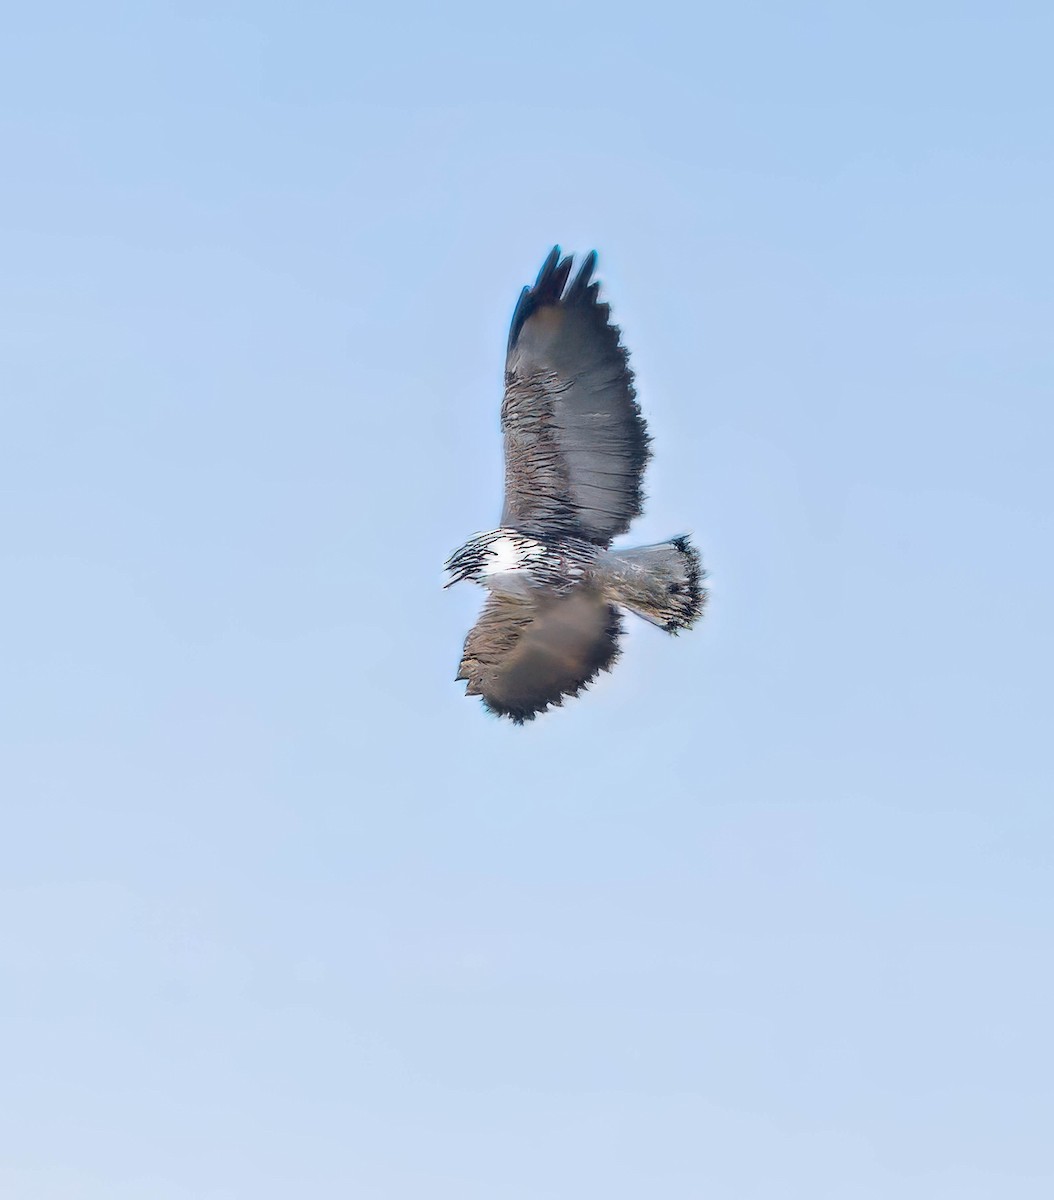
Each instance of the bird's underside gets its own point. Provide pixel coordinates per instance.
(575, 449)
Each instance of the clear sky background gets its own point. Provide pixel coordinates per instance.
(769, 912)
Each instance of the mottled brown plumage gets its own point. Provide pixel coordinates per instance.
(575, 450)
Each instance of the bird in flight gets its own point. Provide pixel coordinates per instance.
(575, 450)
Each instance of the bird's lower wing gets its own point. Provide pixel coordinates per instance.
(525, 653)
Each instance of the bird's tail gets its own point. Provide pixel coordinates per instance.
(662, 584)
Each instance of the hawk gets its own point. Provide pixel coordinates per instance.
(575, 450)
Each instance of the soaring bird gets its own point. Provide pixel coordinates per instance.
(575, 450)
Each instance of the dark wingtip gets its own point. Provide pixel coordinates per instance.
(548, 267)
(581, 283)
(548, 289)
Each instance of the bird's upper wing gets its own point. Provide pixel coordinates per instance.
(575, 442)
(525, 653)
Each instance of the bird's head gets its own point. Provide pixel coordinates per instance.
(467, 563)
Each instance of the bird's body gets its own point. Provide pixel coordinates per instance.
(575, 449)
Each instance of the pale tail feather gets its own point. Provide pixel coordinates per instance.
(662, 584)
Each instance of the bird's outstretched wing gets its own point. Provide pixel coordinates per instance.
(525, 653)
(575, 441)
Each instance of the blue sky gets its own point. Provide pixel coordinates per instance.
(767, 913)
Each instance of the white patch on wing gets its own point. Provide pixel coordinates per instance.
(508, 555)
(503, 556)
